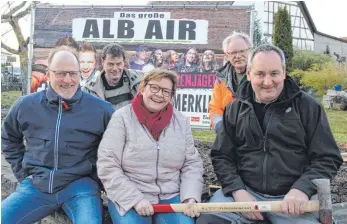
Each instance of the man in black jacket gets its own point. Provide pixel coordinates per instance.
(274, 140)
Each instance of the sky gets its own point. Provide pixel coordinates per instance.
(330, 17)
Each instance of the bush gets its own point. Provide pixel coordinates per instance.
(304, 60)
(321, 77)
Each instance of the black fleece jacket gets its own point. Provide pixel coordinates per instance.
(296, 147)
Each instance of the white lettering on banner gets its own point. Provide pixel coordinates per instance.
(181, 31)
(193, 103)
(142, 15)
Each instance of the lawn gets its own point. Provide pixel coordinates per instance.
(337, 121)
(8, 98)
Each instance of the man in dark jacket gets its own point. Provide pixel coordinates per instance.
(51, 138)
(275, 139)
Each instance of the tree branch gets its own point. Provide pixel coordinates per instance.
(23, 13)
(13, 11)
(7, 48)
(6, 20)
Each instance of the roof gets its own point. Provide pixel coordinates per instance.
(332, 37)
(310, 23)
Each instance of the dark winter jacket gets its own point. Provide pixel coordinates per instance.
(60, 142)
(297, 145)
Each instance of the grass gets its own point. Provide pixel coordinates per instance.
(204, 135)
(338, 125)
(8, 98)
(337, 121)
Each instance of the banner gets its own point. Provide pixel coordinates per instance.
(196, 80)
(187, 41)
(140, 30)
(194, 104)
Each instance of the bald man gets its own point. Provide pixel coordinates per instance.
(56, 168)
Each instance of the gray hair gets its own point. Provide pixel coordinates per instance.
(266, 48)
(235, 35)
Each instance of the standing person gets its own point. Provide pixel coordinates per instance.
(140, 58)
(190, 61)
(147, 156)
(208, 64)
(275, 139)
(236, 48)
(56, 167)
(155, 61)
(115, 83)
(87, 59)
(171, 61)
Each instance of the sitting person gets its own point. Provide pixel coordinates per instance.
(147, 156)
(274, 140)
(51, 139)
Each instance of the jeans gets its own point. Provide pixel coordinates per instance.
(161, 218)
(80, 200)
(273, 217)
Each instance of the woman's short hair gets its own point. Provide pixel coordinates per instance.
(158, 74)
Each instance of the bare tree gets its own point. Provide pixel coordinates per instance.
(12, 17)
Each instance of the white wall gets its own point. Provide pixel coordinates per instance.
(320, 43)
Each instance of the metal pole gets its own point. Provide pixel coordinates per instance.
(31, 47)
(251, 33)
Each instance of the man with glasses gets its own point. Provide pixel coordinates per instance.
(50, 138)
(115, 83)
(229, 77)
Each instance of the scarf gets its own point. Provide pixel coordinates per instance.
(155, 122)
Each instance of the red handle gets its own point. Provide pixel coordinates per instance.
(161, 208)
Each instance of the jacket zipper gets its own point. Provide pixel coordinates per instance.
(158, 149)
(266, 153)
(156, 179)
(56, 144)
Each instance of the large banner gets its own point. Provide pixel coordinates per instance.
(140, 30)
(187, 41)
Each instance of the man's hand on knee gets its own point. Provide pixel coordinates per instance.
(243, 196)
(294, 202)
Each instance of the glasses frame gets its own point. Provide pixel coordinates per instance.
(59, 75)
(162, 90)
(241, 52)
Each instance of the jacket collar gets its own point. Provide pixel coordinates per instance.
(228, 73)
(290, 90)
(54, 98)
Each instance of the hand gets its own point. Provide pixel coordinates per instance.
(218, 125)
(243, 196)
(294, 202)
(144, 208)
(191, 210)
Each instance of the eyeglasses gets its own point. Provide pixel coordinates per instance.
(62, 74)
(234, 53)
(155, 89)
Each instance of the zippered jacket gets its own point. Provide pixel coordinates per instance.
(133, 166)
(296, 147)
(120, 96)
(224, 91)
(61, 142)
